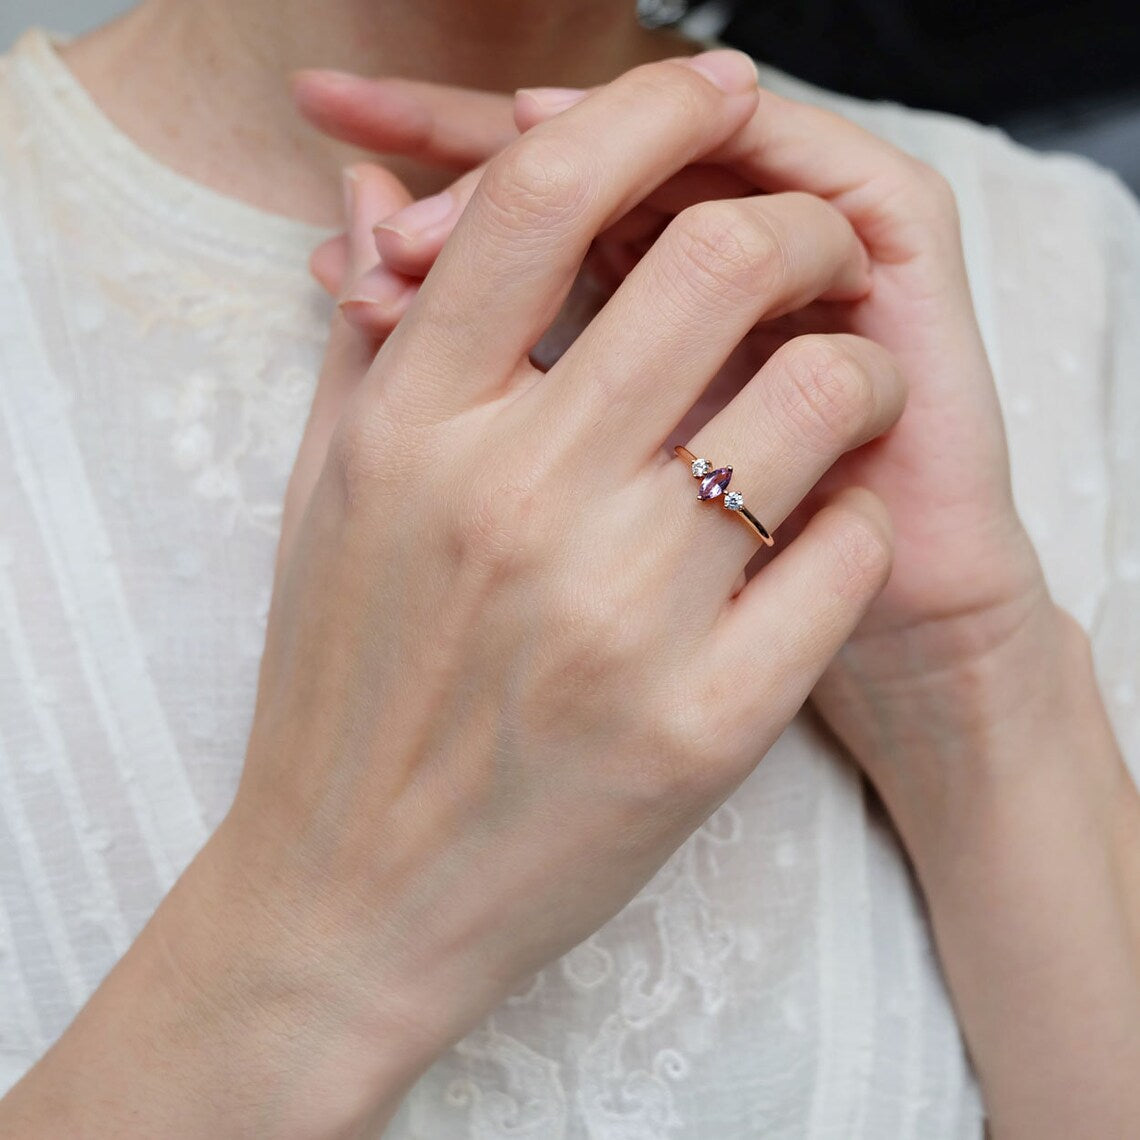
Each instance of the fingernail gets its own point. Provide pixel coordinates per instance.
(732, 71)
(419, 216)
(368, 315)
(381, 228)
(369, 304)
(554, 99)
(363, 305)
(379, 286)
(348, 178)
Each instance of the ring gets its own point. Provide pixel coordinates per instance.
(714, 484)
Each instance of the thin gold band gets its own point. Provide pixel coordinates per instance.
(733, 501)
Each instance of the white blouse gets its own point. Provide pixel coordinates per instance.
(158, 349)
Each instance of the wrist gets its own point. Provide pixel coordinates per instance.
(936, 740)
(273, 981)
(1023, 828)
(219, 1020)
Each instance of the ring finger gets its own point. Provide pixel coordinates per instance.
(818, 397)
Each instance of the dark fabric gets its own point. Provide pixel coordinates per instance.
(981, 58)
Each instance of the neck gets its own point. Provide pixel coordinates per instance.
(495, 45)
(203, 84)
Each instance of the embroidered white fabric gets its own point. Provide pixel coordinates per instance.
(158, 348)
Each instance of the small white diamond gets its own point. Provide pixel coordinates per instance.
(734, 500)
(701, 467)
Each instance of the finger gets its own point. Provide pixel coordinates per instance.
(373, 298)
(718, 270)
(328, 263)
(410, 240)
(443, 126)
(370, 193)
(697, 183)
(519, 244)
(534, 105)
(890, 197)
(789, 145)
(779, 634)
(815, 399)
(378, 300)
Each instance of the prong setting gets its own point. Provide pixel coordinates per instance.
(714, 485)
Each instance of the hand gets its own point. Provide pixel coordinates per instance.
(966, 612)
(505, 674)
(969, 699)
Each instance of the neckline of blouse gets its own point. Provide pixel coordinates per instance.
(141, 182)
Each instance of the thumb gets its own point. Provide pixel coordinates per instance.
(371, 193)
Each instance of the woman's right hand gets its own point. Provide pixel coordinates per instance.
(507, 669)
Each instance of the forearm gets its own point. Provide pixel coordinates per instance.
(1024, 829)
(207, 1028)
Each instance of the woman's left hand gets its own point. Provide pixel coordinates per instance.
(961, 633)
(965, 694)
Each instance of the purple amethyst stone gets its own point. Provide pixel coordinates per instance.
(714, 483)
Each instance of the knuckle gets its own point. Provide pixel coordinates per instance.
(538, 179)
(829, 394)
(684, 750)
(599, 630)
(370, 447)
(357, 454)
(725, 249)
(590, 666)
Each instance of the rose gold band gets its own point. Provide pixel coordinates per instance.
(714, 484)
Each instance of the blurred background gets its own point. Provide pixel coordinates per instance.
(1056, 74)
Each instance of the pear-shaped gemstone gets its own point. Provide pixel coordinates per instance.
(714, 483)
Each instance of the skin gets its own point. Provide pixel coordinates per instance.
(965, 694)
(519, 683)
(991, 750)
(202, 84)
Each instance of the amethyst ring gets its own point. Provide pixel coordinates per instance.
(714, 485)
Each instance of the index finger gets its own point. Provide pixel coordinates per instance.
(790, 145)
(508, 266)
